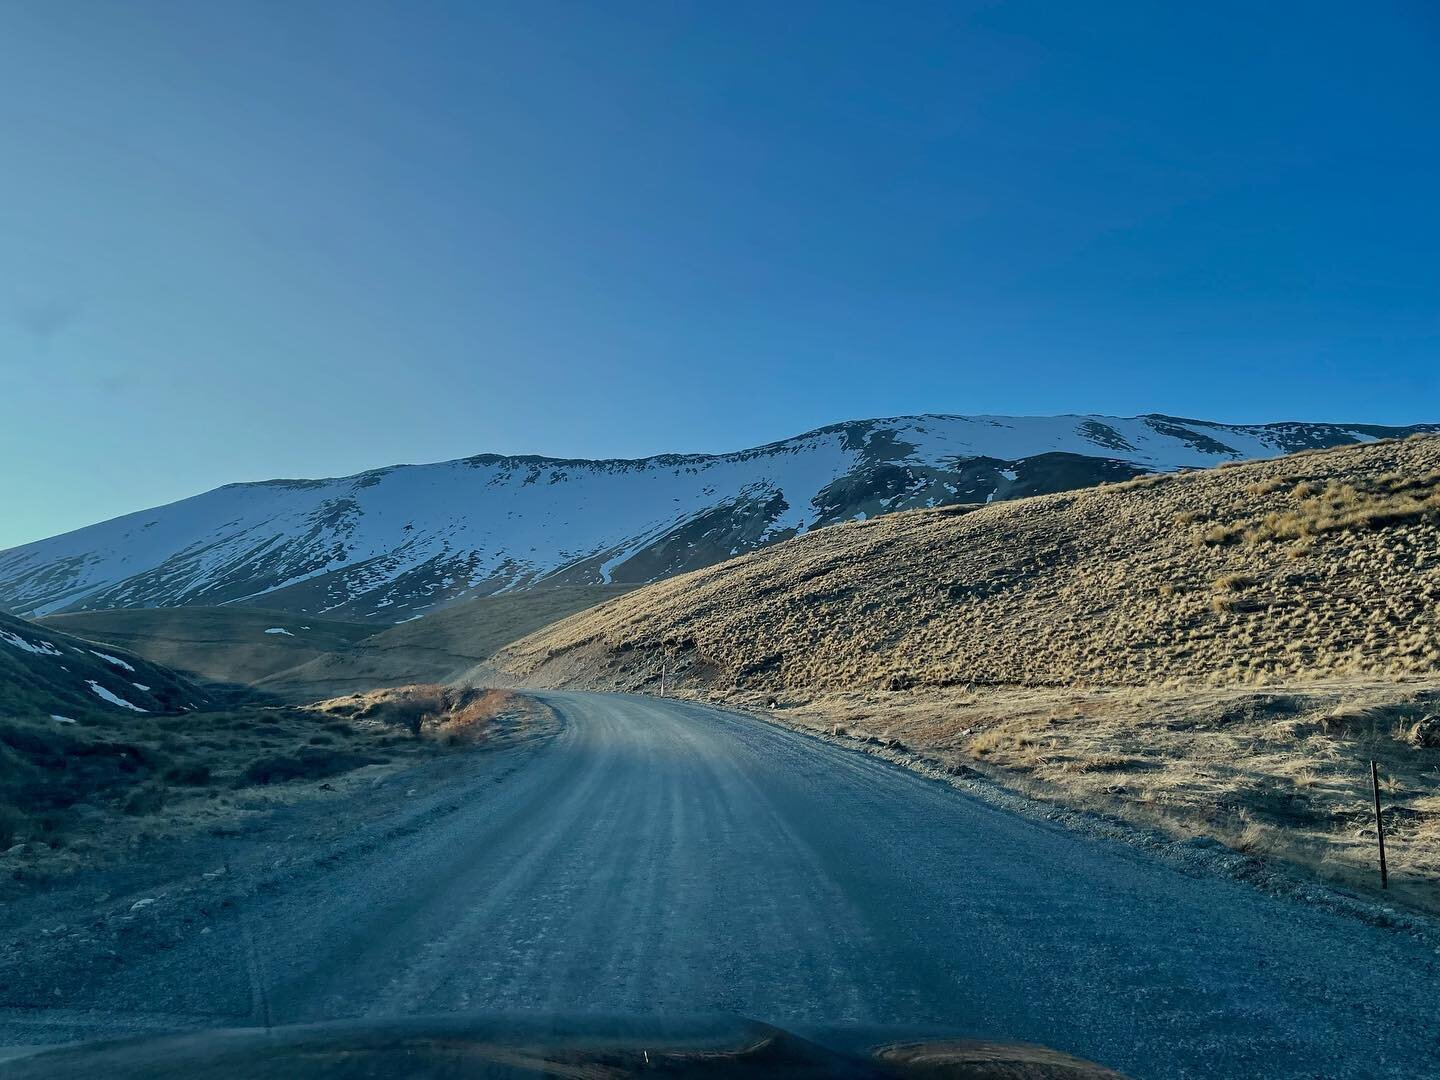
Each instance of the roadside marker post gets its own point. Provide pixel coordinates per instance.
(1379, 824)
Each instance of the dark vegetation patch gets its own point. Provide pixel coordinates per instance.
(304, 764)
(69, 791)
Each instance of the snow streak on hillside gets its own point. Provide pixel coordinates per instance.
(394, 542)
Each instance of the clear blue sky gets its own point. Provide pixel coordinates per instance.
(245, 240)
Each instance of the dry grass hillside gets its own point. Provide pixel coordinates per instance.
(1320, 564)
(1217, 653)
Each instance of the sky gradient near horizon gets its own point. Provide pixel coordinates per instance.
(265, 239)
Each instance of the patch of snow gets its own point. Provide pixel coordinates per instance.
(279, 630)
(113, 660)
(1010, 474)
(43, 648)
(61, 719)
(140, 686)
(114, 699)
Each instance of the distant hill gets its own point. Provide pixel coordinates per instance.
(47, 673)
(386, 545)
(446, 646)
(1314, 565)
(304, 659)
(230, 644)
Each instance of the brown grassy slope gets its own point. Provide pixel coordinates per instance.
(441, 647)
(1316, 565)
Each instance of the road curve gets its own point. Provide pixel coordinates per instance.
(663, 857)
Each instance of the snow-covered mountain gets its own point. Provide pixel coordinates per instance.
(393, 543)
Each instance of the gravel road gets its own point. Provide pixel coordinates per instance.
(663, 857)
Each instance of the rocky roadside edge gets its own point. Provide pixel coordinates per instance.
(1196, 857)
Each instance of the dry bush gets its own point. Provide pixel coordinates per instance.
(1221, 536)
(1367, 502)
(468, 721)
(425, 709)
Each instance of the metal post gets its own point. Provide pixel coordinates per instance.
(1379, 824)
(662, 681)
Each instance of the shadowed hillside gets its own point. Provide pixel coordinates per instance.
(101, 750)
(46, 673)
(442, 647)
(230, 644)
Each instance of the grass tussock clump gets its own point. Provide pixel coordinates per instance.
(1361, 503)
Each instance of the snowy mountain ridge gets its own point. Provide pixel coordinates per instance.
(392, 543)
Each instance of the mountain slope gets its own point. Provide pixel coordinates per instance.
(230, 644)
(1218, 654)
(442, 647)
(395, 542)
(44, 672)
(1315, 564)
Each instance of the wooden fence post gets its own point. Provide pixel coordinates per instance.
(1379, 824)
